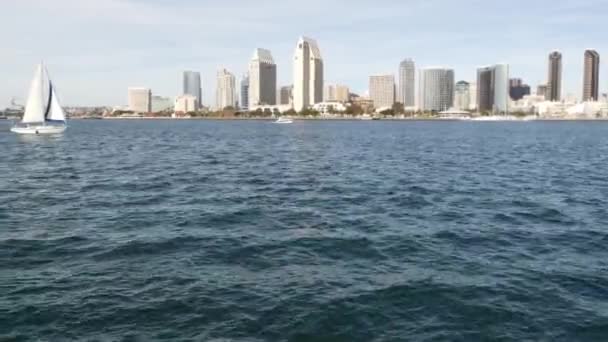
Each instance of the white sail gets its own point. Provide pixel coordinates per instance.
(35, 107)
(55, 112)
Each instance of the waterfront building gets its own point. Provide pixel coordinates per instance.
(262, 79)
(473, 96)
(307, 74)
(336, 93)
(554, 81)
(462, 96)
(436, 90)
(541, 90)
(382, 91)
(285, 95)
(493, 89)
(329, 107)
(517, 89)
(161, 104)
(186, 104)
(364, 102)
(407, 83)
(244, 103)
(192, 86)
(225, 95)
(140, 100)
(591, 76)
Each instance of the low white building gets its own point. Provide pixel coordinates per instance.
(272, 109)
(185, 104)
(588, 110)
(325, 108)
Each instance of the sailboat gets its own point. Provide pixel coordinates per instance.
(43, 113)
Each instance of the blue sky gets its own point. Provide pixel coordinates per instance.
(95, 49)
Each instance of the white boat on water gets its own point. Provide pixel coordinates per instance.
(283, 120)
(43, 113)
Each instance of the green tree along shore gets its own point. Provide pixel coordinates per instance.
(353, 110)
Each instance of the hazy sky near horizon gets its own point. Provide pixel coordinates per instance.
(95, 49)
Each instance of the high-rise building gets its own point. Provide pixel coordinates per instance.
(285, 95)
(245, 92)
(517, 89)
(336, 93)
(192, 86)
(462, 95)
(472, 96)
(262, 79)
(436, 89)
(307, 74)
(225, 95)
(541, 90)
(591, 75)
(493, 89)
(161, 104)
(407, 83)
(140, 100)
(382, 91)
(554, 82)
(186, 104)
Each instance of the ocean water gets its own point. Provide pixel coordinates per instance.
(316, 231)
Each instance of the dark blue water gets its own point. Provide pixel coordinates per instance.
(317, 231)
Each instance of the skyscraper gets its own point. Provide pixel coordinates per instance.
(407, 83)
(591, 76)
(307, 74)
(225, 95)
(436, 89)
(462, 95)
(245, 92)
(541, 90)
(493, 89)
(382, 91)
(140, 100)
(554, 81)
(262, 79)
(192, 86)
(285, 95)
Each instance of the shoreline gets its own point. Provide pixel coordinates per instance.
(342, 119)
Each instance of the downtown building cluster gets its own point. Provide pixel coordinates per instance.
(429, 89)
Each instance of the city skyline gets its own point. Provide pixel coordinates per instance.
(147, 51)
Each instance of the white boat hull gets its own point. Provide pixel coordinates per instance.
(42, 129)
(283, 121)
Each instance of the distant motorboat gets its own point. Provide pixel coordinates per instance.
(43, 113)
(283, 120)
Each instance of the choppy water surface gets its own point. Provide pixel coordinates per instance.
(316, 231)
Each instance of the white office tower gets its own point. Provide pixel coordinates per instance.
(407, 83)
(462, 96)
(192, 86)
(225, 93)
(262, 79)
(493, 89)
(140, 100)
(472, 96)
(382, 91)
(307, 74)
(436, 89)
